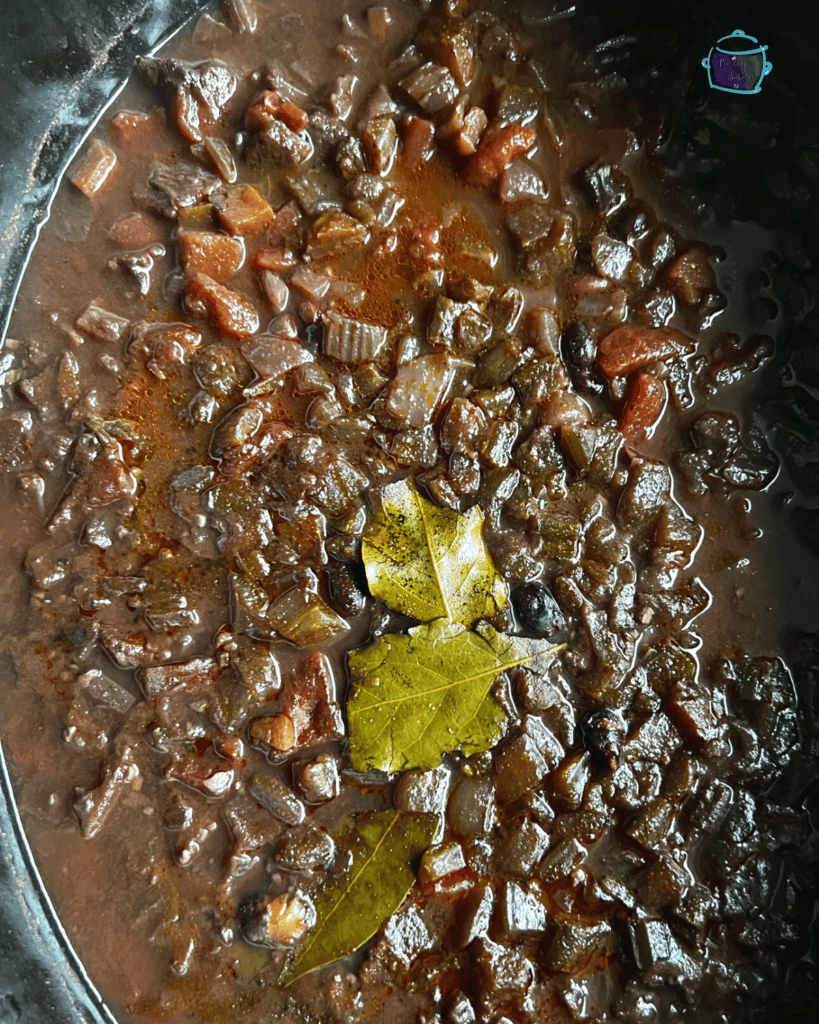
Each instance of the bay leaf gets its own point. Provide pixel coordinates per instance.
(417, 696)
(429, 562)
(350, 906)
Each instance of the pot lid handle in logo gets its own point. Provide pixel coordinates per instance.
(739, 42)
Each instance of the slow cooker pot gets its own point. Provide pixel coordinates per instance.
(60, 64)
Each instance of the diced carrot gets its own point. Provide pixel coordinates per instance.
(244, 212)
(259, 114)
(133, 126)
(418, 137)
(231, 314)
(629, 347)
(498, 147)
(208, 252)
(645, 404)
(271, 107)
(294, 117)
(274, 259)
(136, 231)
(93, 169)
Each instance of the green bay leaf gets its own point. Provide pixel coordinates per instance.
(428, 562)
(416, 697)
(350, 907)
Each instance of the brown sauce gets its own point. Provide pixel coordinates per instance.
(648, 893)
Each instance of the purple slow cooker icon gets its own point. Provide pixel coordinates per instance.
(737, 63)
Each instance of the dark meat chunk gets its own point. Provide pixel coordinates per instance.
(101, 477)
(417, 388)
(503, 973)
(309, 711)
(520, 766)
(206, 772)
(273, 355)
(441, 861)
(658, 953)
(372, 200)
(691, 276)
(280, 146)
(597, 300)
(523, 849)
(379, 140)
(138, 265)
(163, 345)
(721, 458)
(471, 807)
(431, 86)
(608, 187)
(92, 808)
(574, 945)
(15, 441)
(306, 847)
(245, 440)
(568, 783)
(220, 370)
(196, 94)
(522, 909)
(403, 937)
(456, 47)
(645, 495)
(179, 187)
(102, 324)
(195, 674)
(418, 140)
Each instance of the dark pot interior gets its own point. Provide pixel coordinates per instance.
(62, 62)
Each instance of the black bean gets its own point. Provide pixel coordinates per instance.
(607, 186)
(536, 609)
(603, 733)
(577, 345)
(579, 349)
(587, 382)
(348, 588)
(633, 223)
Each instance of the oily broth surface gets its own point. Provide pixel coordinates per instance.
(130, 971)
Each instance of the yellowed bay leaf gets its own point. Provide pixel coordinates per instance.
(429, 562)
(382, 847)
(417, 696)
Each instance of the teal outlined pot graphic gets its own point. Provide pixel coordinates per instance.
(737, 63)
